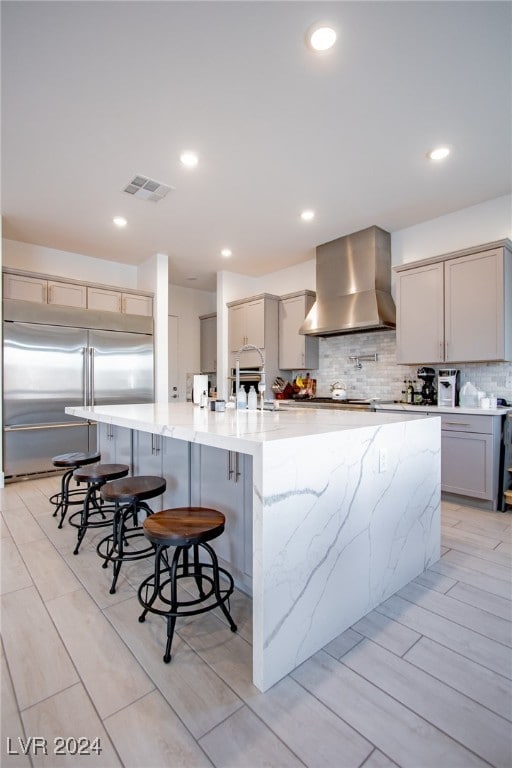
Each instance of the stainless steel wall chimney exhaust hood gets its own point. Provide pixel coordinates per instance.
(353, 285)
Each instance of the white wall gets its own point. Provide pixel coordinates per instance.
(466, 228)
(76, 266)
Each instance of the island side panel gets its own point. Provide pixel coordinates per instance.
(336, 533)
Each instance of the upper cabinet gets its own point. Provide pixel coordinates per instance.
(24, 288)
(108, 300)
(456, 308)
(254, 321)
(46, 290)
(295, 350)
(208, 342)
(246, 323)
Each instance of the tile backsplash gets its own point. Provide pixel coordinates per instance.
(384, 378)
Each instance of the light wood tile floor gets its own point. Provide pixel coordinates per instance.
(423, 681)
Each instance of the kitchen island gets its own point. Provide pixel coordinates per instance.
(345, 511)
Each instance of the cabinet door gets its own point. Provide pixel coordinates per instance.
(115, 444)
(219, 483)
(419, 315)
(255, 323)
(236, 327)
(176, 470)
(67, 294)
(25, 288)
(133, 304)
(208, 344)
(104, 300)
(295, 350)
(466, 464)
(474, 320)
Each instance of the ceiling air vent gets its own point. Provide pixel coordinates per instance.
(147, 189)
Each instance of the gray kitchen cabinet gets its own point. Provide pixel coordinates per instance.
(45, 289)
(470, 454)
(456, 308)
(107, 300)
(223, 480)
(66, 294)
(296, 351)
(255, 321)
(208, 342)
(164, 457)
(115, 444)
(24, 288)
(246, 323)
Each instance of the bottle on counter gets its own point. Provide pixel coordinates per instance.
(410, 393)
(204, 400)
(241, 402)
(252, 399)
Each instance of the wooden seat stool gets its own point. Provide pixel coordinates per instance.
(66, 497)
(188, 529)
(92, 514)
(129, 496)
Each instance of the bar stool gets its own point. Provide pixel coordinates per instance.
(92, 514)
(188, 529)
(128, 495)
(66, 498)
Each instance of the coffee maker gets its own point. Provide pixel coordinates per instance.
(448, 387)
(428, 391)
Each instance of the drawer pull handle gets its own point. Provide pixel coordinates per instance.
(458, 423)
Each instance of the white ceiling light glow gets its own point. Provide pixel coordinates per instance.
(189, 159)
(226, 253)
(439, 153)
(321, 37)
(120, 221)
(307, 215)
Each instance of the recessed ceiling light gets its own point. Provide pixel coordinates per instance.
(226, 253)
(307, 215)
(439, 153)
(320, 37)
(119, 221)
(189, 159)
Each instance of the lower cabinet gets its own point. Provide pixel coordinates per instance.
(223, 480)
(115, 444)
(168, 458)
(470, 456)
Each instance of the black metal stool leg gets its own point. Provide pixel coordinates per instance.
(171, 619)
(216, 585)
(91, 492)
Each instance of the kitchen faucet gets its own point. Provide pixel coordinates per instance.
(261, 385)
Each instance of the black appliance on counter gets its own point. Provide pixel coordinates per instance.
(428, 390)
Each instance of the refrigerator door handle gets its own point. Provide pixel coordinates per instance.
(32, 427)
(85, 370)
(91, 375)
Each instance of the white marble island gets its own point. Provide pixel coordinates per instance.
(345, 511)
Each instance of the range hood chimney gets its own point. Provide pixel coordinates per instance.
(353, 285)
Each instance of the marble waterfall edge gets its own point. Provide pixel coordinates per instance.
(341, 522)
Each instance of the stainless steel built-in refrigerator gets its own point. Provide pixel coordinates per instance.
(48, 367)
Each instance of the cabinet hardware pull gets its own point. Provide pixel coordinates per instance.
(458, 423)
(441, 350)
(230, 465)
(237, 466)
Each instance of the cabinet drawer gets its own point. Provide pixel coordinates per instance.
(467, 423)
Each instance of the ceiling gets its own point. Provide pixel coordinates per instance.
(94, 93)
